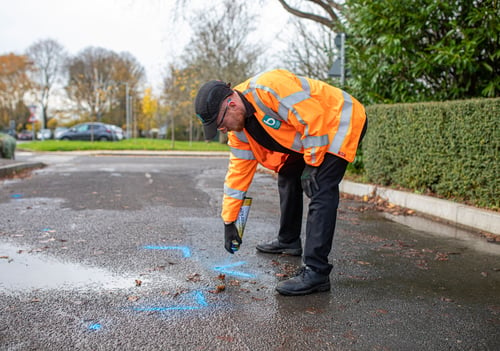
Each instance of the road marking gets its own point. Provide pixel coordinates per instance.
(186, 252)
(198, 298)
(226, 270)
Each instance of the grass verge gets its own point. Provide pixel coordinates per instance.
(128, 144)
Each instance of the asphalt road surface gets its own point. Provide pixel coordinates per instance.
(126, 253)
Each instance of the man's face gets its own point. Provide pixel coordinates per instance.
(232, 115)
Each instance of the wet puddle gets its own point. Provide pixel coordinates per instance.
(465, 237)
(22, 271)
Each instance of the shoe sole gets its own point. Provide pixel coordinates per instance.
(291, 252)
(320, 288)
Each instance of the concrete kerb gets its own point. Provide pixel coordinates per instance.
(10, 168)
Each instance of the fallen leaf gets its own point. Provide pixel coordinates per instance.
(364, 263)
(218, 289)
(194, 277)
(440, 256)
(138, 282)
(446, 299)
(133, 298)
(226, 338)
(257, 298)
(484, 274)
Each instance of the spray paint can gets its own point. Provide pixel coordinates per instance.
(241, 221)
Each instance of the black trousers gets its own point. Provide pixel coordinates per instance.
(322, 212)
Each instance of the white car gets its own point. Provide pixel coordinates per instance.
(117, 131)
(47, 134)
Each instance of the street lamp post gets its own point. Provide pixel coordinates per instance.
(127, 108)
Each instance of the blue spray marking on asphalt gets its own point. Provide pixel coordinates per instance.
(95, 326)
(226, 270)
(186, 252)
(16, 196)
(198, 297)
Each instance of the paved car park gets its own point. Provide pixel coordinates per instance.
(132, 254)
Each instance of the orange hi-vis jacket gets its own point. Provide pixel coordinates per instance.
(301, 114)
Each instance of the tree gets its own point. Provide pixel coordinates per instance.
(328, 13)
(49, 58)
(424, 49)
(14, 84)
(219, 49)
(312, 53)
(96, 76)
(149, 109)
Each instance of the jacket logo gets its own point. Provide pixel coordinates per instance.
(271, 122)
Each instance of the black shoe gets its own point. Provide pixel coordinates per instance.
(277, 247)
(306, 282)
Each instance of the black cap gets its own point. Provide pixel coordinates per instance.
(207, 105)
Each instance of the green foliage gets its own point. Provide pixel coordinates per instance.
(7, 146)
(450, 148)
(424, 50)
(128, 144)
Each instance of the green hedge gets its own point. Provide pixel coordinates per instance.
(7, 146)
(446, 148)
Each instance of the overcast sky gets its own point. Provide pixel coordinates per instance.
(145, 28)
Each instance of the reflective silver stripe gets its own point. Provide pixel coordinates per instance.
(313, 155)
(297, 143)
(268, 111)
(241, 136)
(288, 102)
(315, 141)
(294, 98)
(235, 194)
(345, 121)
(305, 85)
(242, 154)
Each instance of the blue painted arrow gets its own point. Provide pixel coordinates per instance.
(226, 270)
(185, 250)
(198, 297)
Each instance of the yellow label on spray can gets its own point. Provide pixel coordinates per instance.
(241, 220)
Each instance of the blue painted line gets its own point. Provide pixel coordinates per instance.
(16, 196)
(186, 252)
(198, 297)
(95, 326)
(225, 269)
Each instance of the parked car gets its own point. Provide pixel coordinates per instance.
(58, 131)
(25, 135)
(89, 131)
(118, 132)
(162, 132)
(47, 134)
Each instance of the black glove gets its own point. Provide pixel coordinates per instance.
(308, 180)
(230, 235)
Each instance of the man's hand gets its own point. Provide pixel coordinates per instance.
(230, 235)
(308, 180)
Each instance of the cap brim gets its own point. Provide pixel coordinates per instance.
(210, 129)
